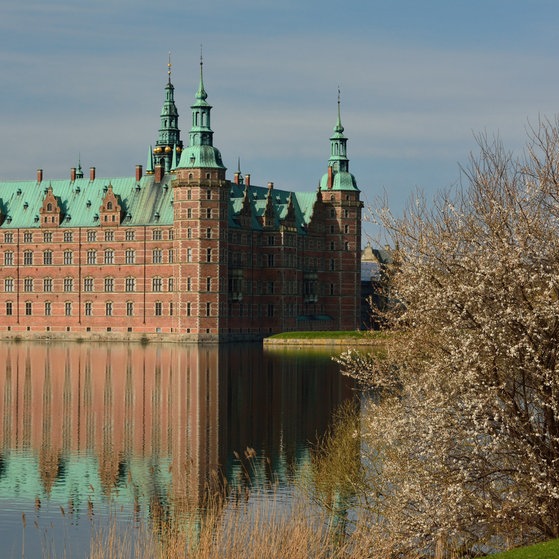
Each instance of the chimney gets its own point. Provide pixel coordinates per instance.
(39, 176)
(270, 186)
(247, 180)
(330, 177)
(72, 174)
(139, 170)
(92, 173)
(237, 177)
(158, 173)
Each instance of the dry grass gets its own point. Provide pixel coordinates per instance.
(263, 527)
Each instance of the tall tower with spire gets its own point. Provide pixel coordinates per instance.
(343, 230)
(200, 206)
(169, 144)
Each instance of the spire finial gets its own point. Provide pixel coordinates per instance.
(201, 94)
(169, 67)
(339, 127)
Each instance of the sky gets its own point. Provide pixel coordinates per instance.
(419, 80)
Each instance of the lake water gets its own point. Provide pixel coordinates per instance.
(130, 432)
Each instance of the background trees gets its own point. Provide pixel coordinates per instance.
(465, 435)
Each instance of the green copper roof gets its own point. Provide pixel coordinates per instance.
(201, 151)
(143, 203)
(342, 180)
(302, 202)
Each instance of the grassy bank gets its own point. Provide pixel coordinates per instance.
(545, 550)
(359, 336)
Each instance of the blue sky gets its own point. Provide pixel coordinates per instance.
(418, 80)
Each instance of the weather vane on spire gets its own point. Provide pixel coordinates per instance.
(169, 67)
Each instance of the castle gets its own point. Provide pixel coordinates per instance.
(177, 251)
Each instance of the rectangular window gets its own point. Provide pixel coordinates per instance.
(270, 310)
(129, 308)
(8, 285)
(188, 309)
(171, 256)
(109, 284)
(158, 308)
(68, 284)
(68, 257)
(47, 285)
(130, 256)
(188, 216)
(208, 213)
(27, 237)
(8, 259)
(171, 234)
(91, 236)
(68, 308)
(28, 258)
(208, 309)
(108, 308)
(129, 235)
(157, 284)
(28, 308)
(8, 237)
(171, 309)
(91, 257)
(208, 255)
(88, 284)
(109, 256)
(171, 284)
(188, 284)
(47, 237)
(109, 236)
(208, 233)
(87, 308)
(189, 255)
(47, 308)
(68, 236)
(270, 260)
(157, 259)
(9, 308)
(130, 284)
(157, 235)
(189, 233)
(208, 284)
(47, 258)
(28, 285)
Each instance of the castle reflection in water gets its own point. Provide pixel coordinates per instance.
(84, 425)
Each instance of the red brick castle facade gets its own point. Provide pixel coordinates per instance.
(178, 251)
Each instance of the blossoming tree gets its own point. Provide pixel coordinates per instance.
(463, 440)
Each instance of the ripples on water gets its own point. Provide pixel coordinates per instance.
(133, 433)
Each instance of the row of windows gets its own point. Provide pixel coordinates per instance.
(88, 308)
(91, 257)
(157, 284)
(109, 235)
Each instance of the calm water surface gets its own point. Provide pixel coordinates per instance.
(97, 431)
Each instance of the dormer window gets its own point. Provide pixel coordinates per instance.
(50, 210)
(110, 211)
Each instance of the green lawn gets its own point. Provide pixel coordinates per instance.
(545, 550)
(322, 335)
